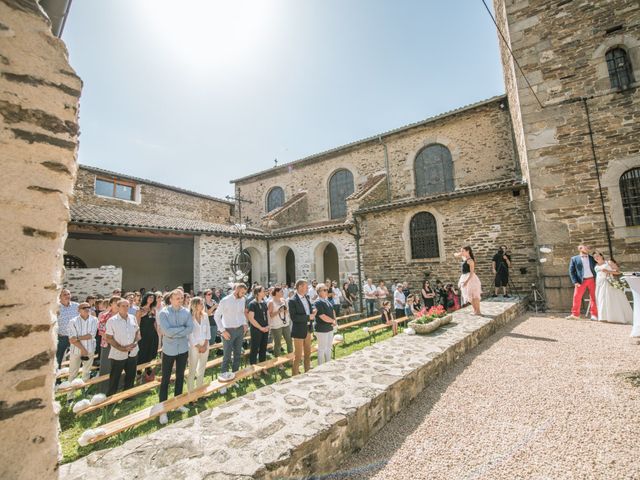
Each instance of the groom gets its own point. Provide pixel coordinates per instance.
(582, 270)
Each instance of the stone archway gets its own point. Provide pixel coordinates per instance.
(256, 273)
(327, 262)
(285, 265)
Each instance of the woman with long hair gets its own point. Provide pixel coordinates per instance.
(198, 343)
(613, 305)
(149, 340)
(279, 321)
(428, 295)
(259, 326)
(469, 282)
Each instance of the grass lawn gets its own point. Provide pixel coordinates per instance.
(73, 426)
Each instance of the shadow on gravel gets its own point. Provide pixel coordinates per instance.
(394, 444)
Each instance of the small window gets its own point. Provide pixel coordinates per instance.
(275, 198)
(630, 191)
(423, 230)
(115, 188)
(340, 187)
(620, 69)
(434, 171)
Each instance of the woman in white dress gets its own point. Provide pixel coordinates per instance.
(613, 305)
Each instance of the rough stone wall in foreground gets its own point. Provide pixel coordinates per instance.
(562, 49)
(39, 95)
(92, 281)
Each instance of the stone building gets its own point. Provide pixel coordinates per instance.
(406, 199)
(156, 235)
(579, 141)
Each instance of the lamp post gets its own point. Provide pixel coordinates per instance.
(241, 263)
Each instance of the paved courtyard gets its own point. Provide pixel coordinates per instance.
(543, 398)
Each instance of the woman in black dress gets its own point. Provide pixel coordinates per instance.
(148, 332)
(428, 295)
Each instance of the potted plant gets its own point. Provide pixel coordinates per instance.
(429, 320)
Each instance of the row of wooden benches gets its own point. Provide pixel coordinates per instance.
(149, 413)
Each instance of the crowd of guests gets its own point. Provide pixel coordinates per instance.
(125, 331)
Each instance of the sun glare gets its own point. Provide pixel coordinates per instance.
(209, 34)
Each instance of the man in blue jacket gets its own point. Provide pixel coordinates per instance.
(582, 270)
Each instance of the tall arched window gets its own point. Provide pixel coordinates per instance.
(275, 198)
(423, 230)
(434, 170)
(630, 191)
(620, 69)
(340, 187)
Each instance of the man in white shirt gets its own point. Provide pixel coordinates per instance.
(399, 301)
(370, 296)
(123, 334)
(313, 294)
(231, 321)
(82, 337)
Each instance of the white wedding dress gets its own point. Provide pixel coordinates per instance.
(613, 305)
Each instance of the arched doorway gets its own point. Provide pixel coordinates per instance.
(285, 265)
(326, 262)
(256, 272)
(290, 267)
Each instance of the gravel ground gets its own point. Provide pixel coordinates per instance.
(543, 398)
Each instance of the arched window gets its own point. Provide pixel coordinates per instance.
(340, 187)
(630, 191)
(434, 171)
(424, 236)
(620, 69)
(275, 198)
(71, 261)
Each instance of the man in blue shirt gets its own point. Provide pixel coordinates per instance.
(176, 324)
(67, 310)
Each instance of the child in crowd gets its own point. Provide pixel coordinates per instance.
(408, 306)
(386, 318)
(452, 299)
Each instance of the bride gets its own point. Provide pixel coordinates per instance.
(613, 305)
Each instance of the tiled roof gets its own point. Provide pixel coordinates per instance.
(101, 171)
(367, 186)
(311, 227)
(375, 138)
(461, 192)
(277, 211)
(126, 218)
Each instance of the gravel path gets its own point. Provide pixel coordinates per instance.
(541, 399)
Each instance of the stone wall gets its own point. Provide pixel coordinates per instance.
(562, 52)
(102, 281)
(480, 141)
(301, 427)
(154, 199)
(212, 257)
(39, 95)
(483, 221)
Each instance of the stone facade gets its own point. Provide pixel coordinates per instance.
(483, 221)
(561, 50)
(304, 426)
(152, 197)
(211, 261)
(479, 138)
(39, 95)
(102, 281)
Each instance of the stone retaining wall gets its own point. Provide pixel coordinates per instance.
(102, 281)
(300, 426)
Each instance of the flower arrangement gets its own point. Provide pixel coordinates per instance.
(427, 316)
(617, 282)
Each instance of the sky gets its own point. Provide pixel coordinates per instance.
(196, 93)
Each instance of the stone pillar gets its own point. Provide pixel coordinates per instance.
(39, 95)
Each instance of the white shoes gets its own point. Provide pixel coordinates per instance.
(226, 376)
(164, 419)
(572, 317)
(223, 390)
(594, 318)
(182, 409)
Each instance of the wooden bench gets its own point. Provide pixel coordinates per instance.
(149, 413)
(142, 366)
(146, 387)
(355, 323)
(383, 326)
